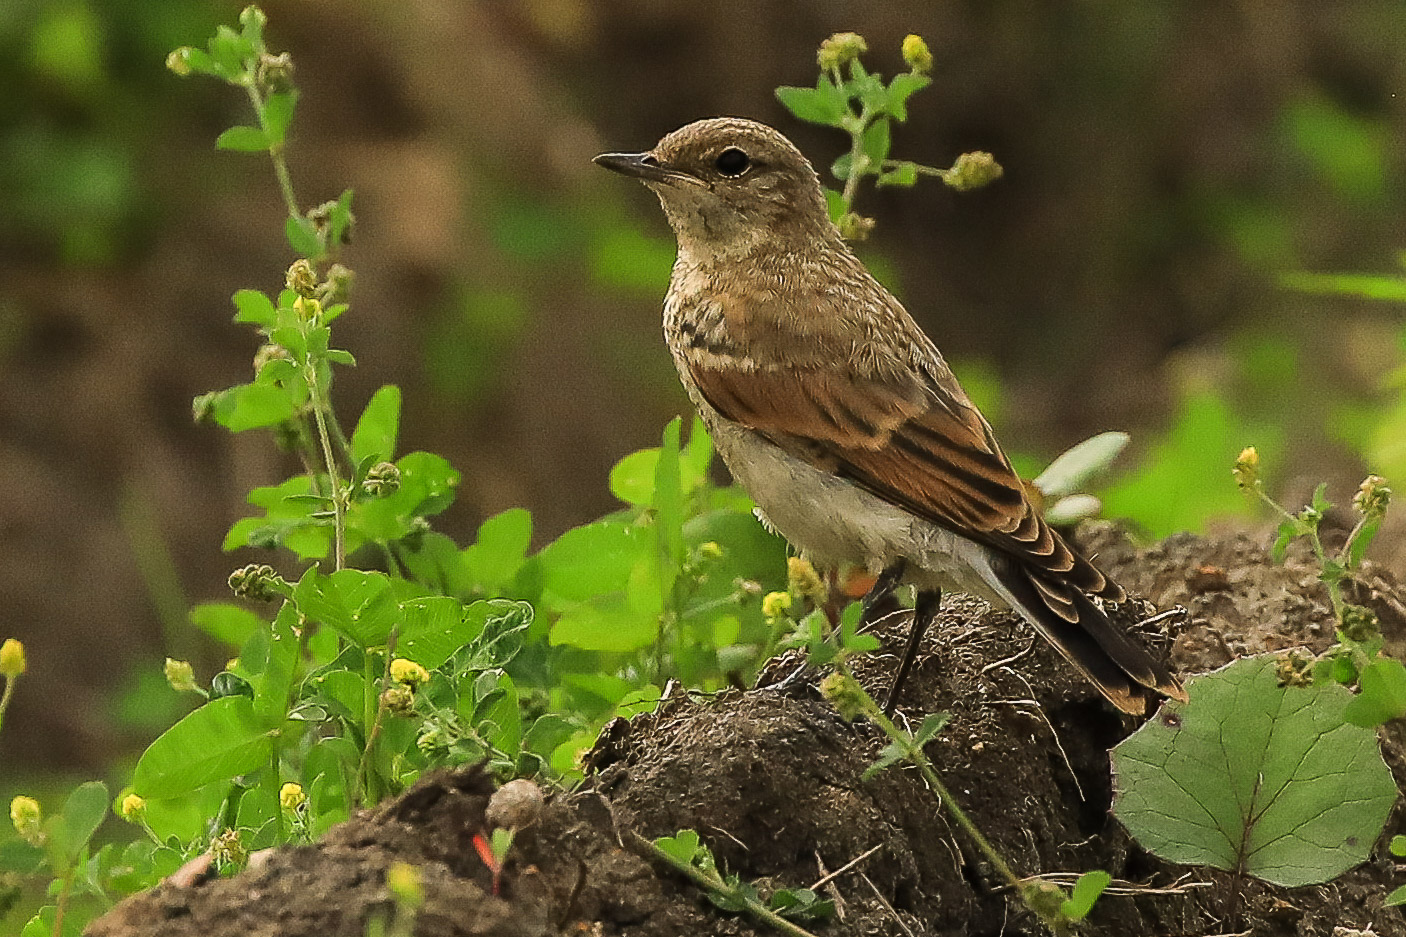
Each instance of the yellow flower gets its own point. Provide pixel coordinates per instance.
(408, 672)
(776, 604)
(917, 54)
(133, 808)
(12, 662)
(1247, 468)
(291, 796)
(27, 817)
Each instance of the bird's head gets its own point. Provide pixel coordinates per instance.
(729, 185)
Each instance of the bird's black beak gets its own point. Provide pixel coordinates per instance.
(646, 167)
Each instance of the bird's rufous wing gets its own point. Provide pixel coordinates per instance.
(914, 441)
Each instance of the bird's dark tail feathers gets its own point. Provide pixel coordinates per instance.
(1115, 662)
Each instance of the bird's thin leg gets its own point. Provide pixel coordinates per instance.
(879, 600)
(924, 612)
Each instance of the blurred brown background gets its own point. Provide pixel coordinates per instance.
(1165, 163)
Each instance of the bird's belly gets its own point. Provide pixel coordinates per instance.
(833, 521)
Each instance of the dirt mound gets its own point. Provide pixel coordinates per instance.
(771, 781)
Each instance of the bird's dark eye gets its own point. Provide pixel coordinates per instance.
(732, 162)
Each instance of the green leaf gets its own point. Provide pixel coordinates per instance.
(340, 220)
(683, 845)
(434, 627)
(359, 604)
(220, 740)
(869, 89)
(931, 726)
(82, 813)
(278, 114)
(1289, 528)
(500, 550)
(590, 560)
(823, 104)
(890, 755)
(834, 203)
(1072, 469)
(225, 621)
(1398, 846)
(1383, 695)
(1086, 891)
(255, 308)
(252, 406)
(1357, 547)
(243, 140)
(1397, 897)
(632, 478)
(841, 166)
(605, 623)
(901, 89)
(877, 140)
(1254, 777)
(376, 431)
(904, 174)
(302, 237)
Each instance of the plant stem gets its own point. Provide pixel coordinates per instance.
(61, 903)
(916, 755)
(363, 770)
(714, 883)
(280, 165)
(856, 157)
(339, 515)
(920, 168)
(1335, 595)
(6, 696)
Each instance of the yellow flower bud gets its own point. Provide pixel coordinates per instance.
(710, 550)
(408, 672)
(776, 604)
(27, 817)
(307, 308)
(133, 808)
(12, 662)
(917, 54)
(291, 796)
(804, 580)
(180, 675)
(1247, 469)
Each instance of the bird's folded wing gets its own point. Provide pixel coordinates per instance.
(914, 442)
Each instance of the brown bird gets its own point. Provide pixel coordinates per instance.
(839, 416)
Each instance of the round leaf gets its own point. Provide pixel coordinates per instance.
(1255, 777)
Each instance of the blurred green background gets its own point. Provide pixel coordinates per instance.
(1166, 164)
